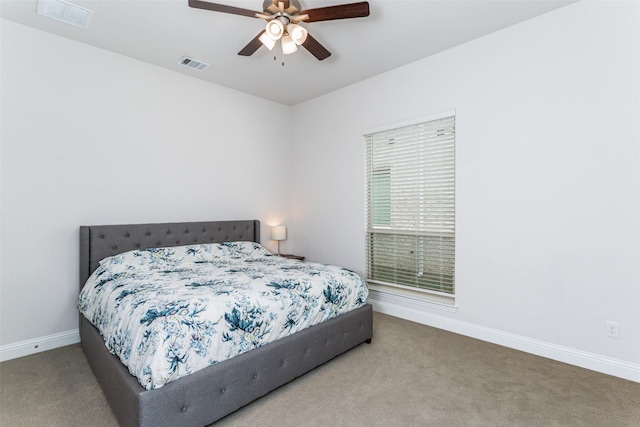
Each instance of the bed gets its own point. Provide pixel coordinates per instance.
(209, 394)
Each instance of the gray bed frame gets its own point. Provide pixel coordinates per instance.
(210, 394)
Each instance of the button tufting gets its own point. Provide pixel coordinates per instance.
(168, 232)
(223, 390)
(282, 363)
(184, 409)
(255, 376)
(126, 234)
(102, 236)
(114, 247)
(137, 245)
(147, 234)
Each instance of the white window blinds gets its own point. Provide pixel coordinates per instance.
(411, 206)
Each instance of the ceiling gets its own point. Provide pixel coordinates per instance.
(396, 33)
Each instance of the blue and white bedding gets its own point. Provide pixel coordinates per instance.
(169, 312)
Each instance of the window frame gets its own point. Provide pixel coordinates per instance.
(448, 295)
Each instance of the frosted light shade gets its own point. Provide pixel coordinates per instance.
(288, 45)
(298, 33)
(275, 29)
(267, 41)
(279, 232)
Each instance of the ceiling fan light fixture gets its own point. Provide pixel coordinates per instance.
(288, 45)
(275, 29)
(298, 33)
(267, 41)
(283, 17)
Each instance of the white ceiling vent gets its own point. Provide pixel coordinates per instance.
(63, 11)
(193, 63)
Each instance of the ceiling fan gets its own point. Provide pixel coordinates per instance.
(283, 18)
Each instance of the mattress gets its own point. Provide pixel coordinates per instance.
(169, 312)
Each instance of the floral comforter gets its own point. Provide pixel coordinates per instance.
(169, 312)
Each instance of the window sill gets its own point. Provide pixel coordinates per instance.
(407, 297)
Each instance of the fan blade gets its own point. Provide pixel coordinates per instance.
(253, 45)
(286, 7)
(215, 7)
(272, 8)
(342, 11)
(291, 9)
(315, 48)
(297, 18)
(265, 16)
(284, 2)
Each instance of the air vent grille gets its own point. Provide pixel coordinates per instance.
(193, 63)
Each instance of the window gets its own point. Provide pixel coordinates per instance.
(381, 193)
(411, 207)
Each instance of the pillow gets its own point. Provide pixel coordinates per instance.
(171, 256)
(244, 249)
(139, 257)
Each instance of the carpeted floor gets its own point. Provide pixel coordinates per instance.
(411, 375)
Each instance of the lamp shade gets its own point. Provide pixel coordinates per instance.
(275, 29)
(298, 33)
(288, 45)
(279, 232)
(267, 41)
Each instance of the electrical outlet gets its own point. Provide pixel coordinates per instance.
(613, 329)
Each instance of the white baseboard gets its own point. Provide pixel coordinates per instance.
(37, 345)
(395, 306)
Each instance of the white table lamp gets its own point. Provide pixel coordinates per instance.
(279, 233)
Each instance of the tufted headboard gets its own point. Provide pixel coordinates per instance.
(100, 241)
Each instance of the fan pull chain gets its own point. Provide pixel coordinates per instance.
(275, 58)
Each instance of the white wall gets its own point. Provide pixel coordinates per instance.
(548, 173)
(91, 137)
(547, 185)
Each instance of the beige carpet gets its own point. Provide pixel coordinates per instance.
(411, 375)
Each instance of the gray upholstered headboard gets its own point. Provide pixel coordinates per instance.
(100, 241)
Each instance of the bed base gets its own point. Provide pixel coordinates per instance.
(212, 393)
